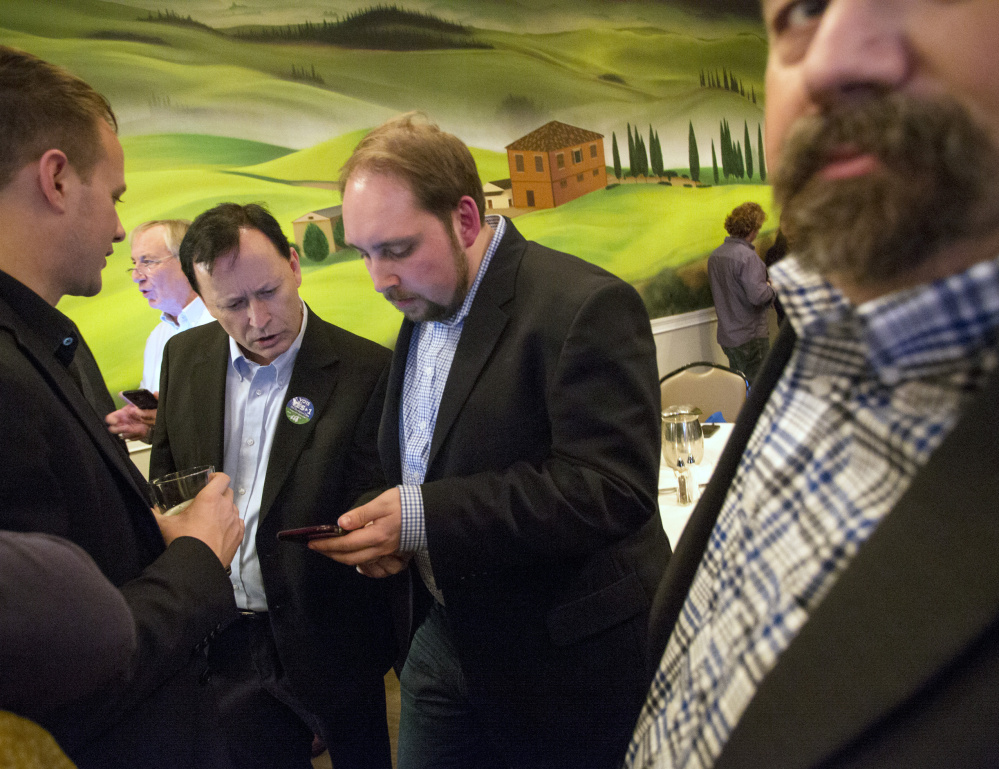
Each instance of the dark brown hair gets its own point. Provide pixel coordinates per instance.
(44, 107)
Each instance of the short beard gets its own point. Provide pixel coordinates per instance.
(434, 311)
(937, 184)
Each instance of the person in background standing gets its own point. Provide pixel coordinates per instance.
(741, 292)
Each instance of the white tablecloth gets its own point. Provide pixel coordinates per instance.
(675, 515)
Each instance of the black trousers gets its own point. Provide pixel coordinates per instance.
(265, 725)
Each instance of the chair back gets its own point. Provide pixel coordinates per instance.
(706, 385)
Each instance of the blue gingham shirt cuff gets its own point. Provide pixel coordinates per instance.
(413, 535)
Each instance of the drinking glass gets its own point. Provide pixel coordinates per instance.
(174, 492)
(683, 446)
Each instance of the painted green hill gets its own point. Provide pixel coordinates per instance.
(161, 152)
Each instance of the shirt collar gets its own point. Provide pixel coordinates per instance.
(283, 363)
(914, 333)
(58, 332)
(498, 223)
(189, 316)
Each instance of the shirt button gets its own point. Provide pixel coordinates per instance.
(242, 492)
(259, 392)
(249, 442)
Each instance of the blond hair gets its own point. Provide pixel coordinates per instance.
(174, 231)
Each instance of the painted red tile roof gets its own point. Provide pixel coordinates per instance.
(554, 136)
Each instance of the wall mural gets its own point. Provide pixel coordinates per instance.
(622, 131)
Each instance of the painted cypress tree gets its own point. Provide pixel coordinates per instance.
(616, 155)
(631, 153)
(695, 158)
(759, 148)
(726, 150)
(714, 160)
(655, 153)
(749, 151)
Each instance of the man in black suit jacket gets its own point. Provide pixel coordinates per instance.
(61, 471)
(834, 599)
(315, 639)
(535, 474)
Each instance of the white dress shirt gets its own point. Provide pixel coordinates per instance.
(254, 402)
(195, 314)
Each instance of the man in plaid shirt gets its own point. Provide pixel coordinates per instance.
(834, 600)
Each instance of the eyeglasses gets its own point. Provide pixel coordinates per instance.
(145, 266)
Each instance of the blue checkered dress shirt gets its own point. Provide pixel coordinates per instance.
(431, 351)
(869, 392)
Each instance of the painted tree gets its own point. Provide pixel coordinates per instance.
(714, 160)
(641, 156)
(694, 157)
(631, 153)
(655, 153)
(616, 155)
(760, 158)
(315, 243)
(749, 151)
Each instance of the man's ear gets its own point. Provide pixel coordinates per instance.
(54, 172)
(467, 224)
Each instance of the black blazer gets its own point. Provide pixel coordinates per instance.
(331, 626)
(63, 473)
(541, 499)
(899, 664)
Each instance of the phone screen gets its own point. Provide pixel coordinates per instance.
(142, 399)
(309, 533)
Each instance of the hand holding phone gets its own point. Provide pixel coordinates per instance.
(141, 399)
(309, 533)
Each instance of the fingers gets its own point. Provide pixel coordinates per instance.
(355, 548)
(219, 484)
(385, 566)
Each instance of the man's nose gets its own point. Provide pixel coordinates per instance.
(859, 47)
(119, 233)
(258, 313)
(382, 274)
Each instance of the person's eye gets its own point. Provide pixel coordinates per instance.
(398, 253)
(798, 15)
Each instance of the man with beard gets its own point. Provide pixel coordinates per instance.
(521, 428)
(834, 599)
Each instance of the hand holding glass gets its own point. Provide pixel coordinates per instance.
(173, 493)
(683, 446)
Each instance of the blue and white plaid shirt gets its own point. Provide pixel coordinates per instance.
(431, 351)
(869, 393)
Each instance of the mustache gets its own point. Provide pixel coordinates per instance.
(394, 294)
(907, 135)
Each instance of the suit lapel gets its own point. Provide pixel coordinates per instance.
(207, 409)
(313, 377)
(482, 329)
(920, 591)
(388, 429)
(63, 385)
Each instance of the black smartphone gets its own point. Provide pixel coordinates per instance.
(309, 533)
(142, 399)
